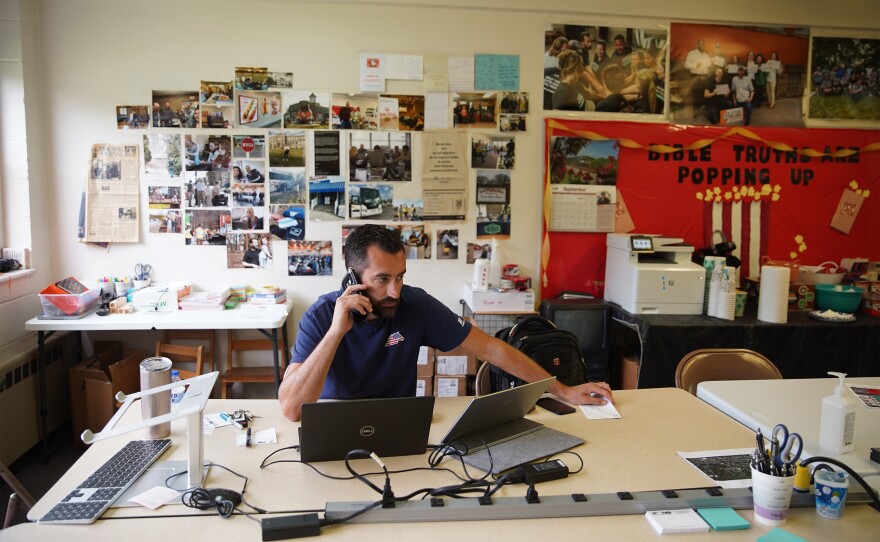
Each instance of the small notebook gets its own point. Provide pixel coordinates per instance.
(723, 519)
(676, 521)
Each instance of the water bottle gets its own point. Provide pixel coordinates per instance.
(178, 391)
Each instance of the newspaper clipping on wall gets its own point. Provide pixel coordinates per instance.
(112, 194)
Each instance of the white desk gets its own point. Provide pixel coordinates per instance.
(267, 319)
(636, 453)
(798, 404)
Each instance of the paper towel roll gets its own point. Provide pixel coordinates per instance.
(773, 296)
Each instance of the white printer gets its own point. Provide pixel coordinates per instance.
(650, 274)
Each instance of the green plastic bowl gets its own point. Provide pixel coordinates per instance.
(847, 300)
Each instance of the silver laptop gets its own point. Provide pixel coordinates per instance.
(388, 427)
(494, 436)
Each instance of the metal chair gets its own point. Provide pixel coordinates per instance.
(723, 364)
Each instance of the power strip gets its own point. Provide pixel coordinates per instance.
(557, 506)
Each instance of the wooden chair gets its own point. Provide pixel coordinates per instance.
(723, 364)
(248, 374)
(483, 381)
(20, 501)
(180, 353)
(207, 336)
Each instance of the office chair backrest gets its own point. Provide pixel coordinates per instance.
(179, 353)
(483, 381)
(723, 364)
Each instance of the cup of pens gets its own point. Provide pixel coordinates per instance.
(773, 472)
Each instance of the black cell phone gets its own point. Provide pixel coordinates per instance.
(555, 406)
(349, 279)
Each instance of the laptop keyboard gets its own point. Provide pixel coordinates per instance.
(91, 498)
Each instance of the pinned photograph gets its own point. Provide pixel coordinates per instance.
(162, 158)
(354, 112)
(165, 221)
(163, 197)
(203, 227)
(304, 109)
(132, 117)
(207, 152)
(206, 189)
(752, 76)
(216, 93)
(604, 69)
(493, 187)
(513, 102)
(249, 146)
(327, 198)
(280, 80)
(474, 110)
(309, 258)
(370, 201)
(385, 156)
(476, 251)
(287, 185)
(247, 195)
(410, 111)
(287, 222)
(258, 109)
(217, 116)
(287, 148)
(389, 114)
(488, 152)
(247, 218)
(408, 209)
(416, 240)
(845, 82)
(247, 172)
(493, 220)
(247, 78)
(176, 109)
(512, 123)
(447, 244)
(249, 251)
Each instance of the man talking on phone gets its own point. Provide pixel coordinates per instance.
(337, 358)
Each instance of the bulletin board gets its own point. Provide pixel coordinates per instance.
(775, 190)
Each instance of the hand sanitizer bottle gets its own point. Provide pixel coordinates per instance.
(837, 426)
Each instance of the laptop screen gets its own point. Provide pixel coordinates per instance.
(387, 427)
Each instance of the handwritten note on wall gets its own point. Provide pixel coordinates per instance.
(496, 72)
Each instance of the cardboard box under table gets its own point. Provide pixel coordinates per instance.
(95, 382)
(450, 386)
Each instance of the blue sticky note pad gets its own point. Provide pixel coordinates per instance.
(496, 72)
(780, 535)
(723, 519)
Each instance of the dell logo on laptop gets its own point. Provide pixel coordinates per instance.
(368, 431)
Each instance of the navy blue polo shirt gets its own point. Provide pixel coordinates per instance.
(378, 359)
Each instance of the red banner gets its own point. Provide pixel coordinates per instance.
(773, 191)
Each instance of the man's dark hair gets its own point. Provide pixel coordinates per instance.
(619, 37)
(362, 238)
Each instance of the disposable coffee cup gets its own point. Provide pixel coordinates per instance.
(156, 372)
(741, 297)
(771, 496)
(831, 490)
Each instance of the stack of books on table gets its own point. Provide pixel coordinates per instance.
(204, 301)
(269, 295)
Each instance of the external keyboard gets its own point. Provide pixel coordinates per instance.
(91, 498)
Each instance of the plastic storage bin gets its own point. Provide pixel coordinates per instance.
(69, 305)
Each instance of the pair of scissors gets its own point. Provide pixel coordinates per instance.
(142, 271)
(785, 451)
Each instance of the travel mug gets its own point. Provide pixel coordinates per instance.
(156, 372)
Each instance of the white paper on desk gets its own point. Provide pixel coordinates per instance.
(727, 468)
(266, 436)
(600, 412)
(215, 421)
(156, 497)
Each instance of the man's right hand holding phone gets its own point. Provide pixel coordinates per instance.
(352, 307)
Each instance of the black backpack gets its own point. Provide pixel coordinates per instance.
(554, 349)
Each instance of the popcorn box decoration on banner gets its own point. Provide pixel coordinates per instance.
(848, 208)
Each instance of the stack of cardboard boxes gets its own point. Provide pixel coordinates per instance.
(445, 374)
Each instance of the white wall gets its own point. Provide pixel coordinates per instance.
(97, 54)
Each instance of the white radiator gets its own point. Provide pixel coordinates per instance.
(19, 388)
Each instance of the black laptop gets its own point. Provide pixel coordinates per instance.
(387, 427)
(494, 435)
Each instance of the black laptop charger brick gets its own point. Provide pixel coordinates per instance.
(285, 527)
